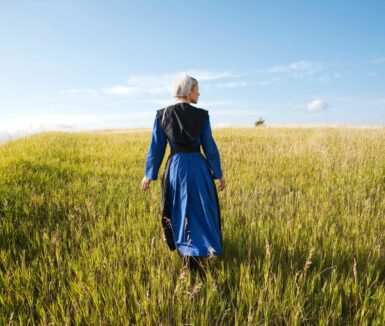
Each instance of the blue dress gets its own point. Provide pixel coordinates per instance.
(195, 224)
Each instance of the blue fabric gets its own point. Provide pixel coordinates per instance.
(191, 191)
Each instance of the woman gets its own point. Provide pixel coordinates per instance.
(191, 213)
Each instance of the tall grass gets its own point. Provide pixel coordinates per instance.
(303, 220)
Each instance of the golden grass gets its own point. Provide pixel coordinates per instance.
(303, 230)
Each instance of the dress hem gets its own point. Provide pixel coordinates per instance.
(186, 251)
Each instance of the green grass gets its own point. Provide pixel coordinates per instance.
(303, 221)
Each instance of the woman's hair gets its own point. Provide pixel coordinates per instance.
(183, 84)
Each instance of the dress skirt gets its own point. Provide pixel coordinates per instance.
(194, 206)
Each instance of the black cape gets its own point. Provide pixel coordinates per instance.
(182, 124)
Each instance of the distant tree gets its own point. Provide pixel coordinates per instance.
(259, 122)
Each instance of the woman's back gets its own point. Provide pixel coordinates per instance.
(190, 198)
(177, 126)
(191, 218)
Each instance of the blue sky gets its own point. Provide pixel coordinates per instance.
(70, 65)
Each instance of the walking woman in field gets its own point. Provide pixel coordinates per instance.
(191, 216)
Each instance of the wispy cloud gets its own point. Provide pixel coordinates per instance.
(45, 121)
(135, 85)
(140, 85)
(167, 78)
(298, 69)
(317, 105)
(233, 84)
(329, 76)
(203, 104)
(158, 84)
(268, 82)
(131, 90)
(154, 84)
(25, 124)
(210, 75)
(238, 84)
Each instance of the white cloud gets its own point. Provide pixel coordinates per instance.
(317, 105)
(232, 84)
(268, 82)
(154, 84)
(298, 69)
(209, 75)
(142, 81)
(200, 104)
(329, 76)
(131, 90)
(159, 84)
(150, 83)
(27, 124)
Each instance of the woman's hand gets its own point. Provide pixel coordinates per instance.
(145, 183)
(222, 184)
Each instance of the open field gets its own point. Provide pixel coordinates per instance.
(303, 219)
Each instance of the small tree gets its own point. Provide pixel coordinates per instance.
(259, 122)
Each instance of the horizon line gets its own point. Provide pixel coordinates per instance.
(22, 134)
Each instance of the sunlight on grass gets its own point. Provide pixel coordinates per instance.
(303, 219)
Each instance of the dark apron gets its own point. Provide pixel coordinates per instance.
(166, 210)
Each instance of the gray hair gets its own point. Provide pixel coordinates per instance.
(183, 84)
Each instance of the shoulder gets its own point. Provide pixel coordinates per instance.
(200, 110)
(160, 112)
(202, 113)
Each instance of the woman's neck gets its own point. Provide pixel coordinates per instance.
(183, 100)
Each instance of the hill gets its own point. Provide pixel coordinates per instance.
(303, 229)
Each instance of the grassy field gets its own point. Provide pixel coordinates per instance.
(303, 220)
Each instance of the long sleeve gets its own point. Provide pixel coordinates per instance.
(211, 150)
(156, 151)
